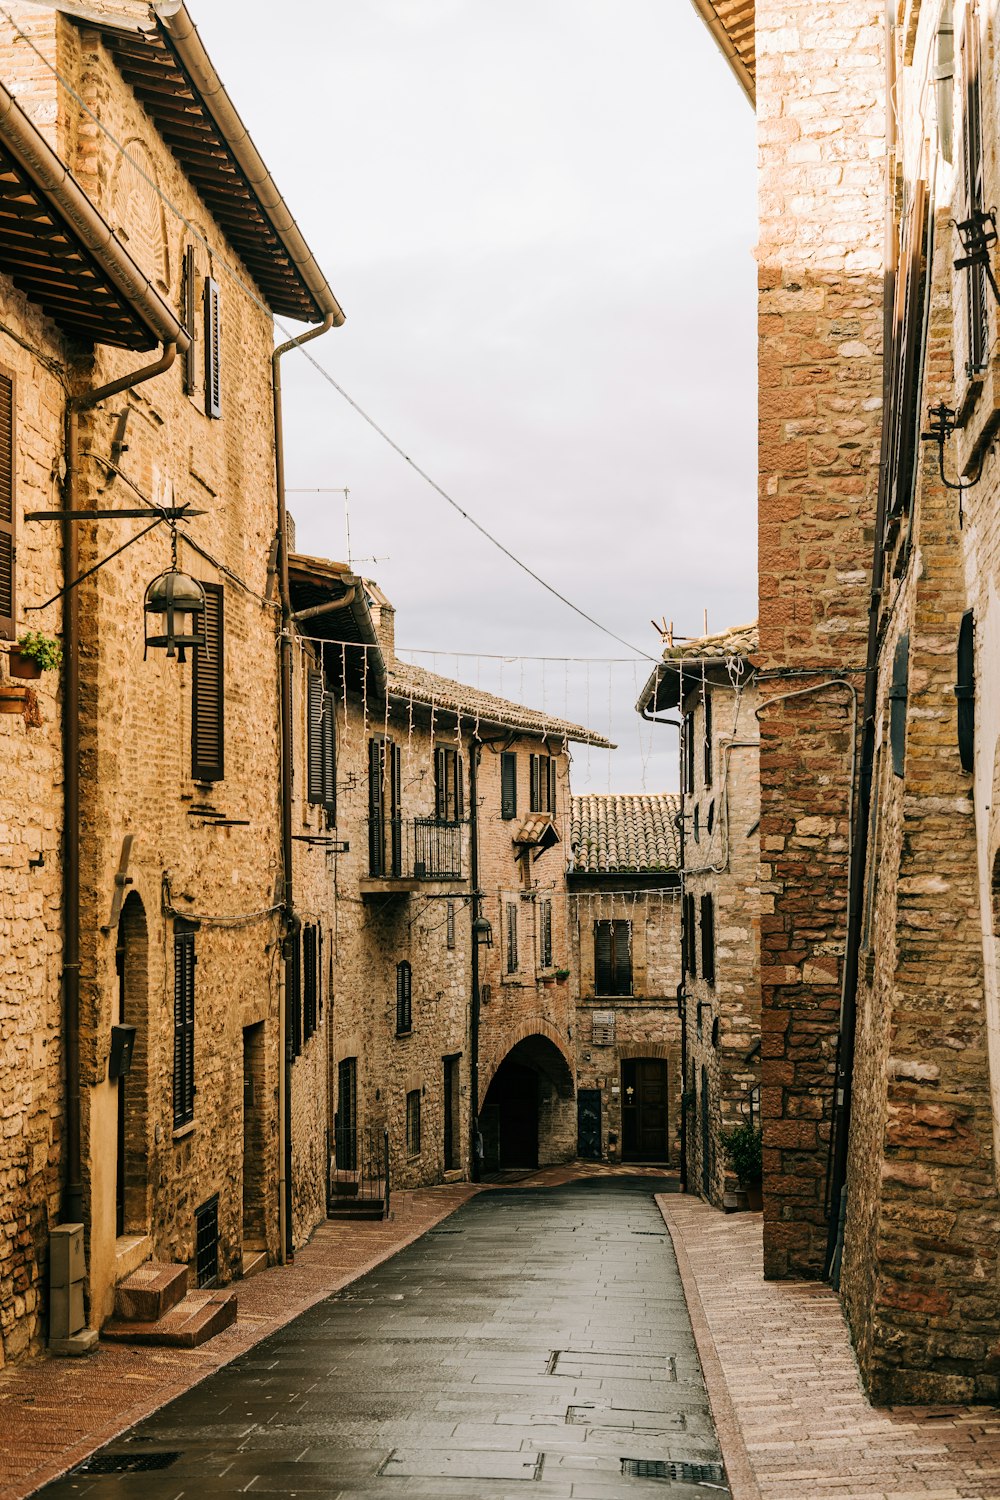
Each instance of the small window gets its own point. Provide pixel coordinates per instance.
(208, 737)
(184, 962)
(8, 513)
(413, 1123)
(687, 754)
(689, 937)
(321, 745)
(508, 785)
(710, 820)
(192, 373)
(613, 958)
(310, 980)
(898, 696)
(213, 350)
(450, 920)
(512, 964)
(965, 691)
(545, 934)
(708, 738)
(404, 998)
(447, 785)
(543, 784)
(206, 1242)
(696, 823)
(708, 939)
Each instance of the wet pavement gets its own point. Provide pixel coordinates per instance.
(537, 1336)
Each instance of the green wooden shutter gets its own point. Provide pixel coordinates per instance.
(404, 998)
(208, 693)
(213, 350)
(314, 737)
(603, 962)
(898, 694)
(310, 960)
(508, 785)
(8, 513)
(965, 691)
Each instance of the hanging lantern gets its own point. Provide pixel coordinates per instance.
(174, 608)
(482, 930)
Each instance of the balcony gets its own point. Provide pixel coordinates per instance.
(405, 853)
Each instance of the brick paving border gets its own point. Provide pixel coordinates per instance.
(793, 1421)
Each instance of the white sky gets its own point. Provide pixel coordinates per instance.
(538, 216)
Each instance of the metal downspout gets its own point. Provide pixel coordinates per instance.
(285, 722)
(72, 1208)
(859, 857)
(475, 1163)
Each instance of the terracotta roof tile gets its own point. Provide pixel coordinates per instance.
(409, 682)
(624, 834)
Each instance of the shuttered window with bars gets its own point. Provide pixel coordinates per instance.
(321, 753)
(543, 784)
(213, 349)
(447, 785)
(404, 998)
(545, 934)
(708, 938)
(310, 980)
(8, 512)
(184, 965)
(508, 785)
(613, 958)
(293, 981)
(208, 693)
(511, 935)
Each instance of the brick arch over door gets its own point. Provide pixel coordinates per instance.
(533, 1026)
(661, 1050)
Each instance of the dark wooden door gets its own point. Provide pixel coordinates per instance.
(452, 1152)
(588, 1124)
(644, 1109)
(346, 1125)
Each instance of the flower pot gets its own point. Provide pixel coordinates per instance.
(562, 979)
(755, 1196)
(23, 666)
(12, 698)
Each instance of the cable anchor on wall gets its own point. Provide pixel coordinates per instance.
(978, 234)
(942, 422)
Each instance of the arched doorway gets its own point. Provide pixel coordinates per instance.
(528, 1117)
(131, 962)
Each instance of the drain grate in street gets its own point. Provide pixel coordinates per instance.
(649, 1468)
(126, 1463)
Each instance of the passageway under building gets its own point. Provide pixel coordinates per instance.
(528, 1116)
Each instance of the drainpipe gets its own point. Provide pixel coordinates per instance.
(841, 1122)
(285, 721)
(72, 1209)
(475, 1164)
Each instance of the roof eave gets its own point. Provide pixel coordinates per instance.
(727, 47)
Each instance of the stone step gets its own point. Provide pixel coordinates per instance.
(198, 1318)
(345, 1187)
(357, 1208)
(253, 1261)
(150, 1291)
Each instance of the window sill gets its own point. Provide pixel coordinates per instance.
(401, 1035)
(183, 1131)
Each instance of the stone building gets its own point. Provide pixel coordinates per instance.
(877, 566)
(711, 682)
(624, 911)
(165, 785)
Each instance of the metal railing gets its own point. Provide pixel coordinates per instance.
(359, 1167)
(414, 849)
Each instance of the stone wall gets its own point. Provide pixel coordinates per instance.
(821, 129)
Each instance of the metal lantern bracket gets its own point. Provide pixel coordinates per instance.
(171, 514)
(942, 422)
(978, 234)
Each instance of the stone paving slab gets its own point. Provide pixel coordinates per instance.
(792, 1418)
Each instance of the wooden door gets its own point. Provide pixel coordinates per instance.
(644, 1109)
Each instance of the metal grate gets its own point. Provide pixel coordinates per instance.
(126, 1463)
(206, 1246)
(683, 1473)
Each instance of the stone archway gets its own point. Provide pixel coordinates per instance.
(132, 963)
(528, 1116)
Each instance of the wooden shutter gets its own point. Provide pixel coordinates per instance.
(213, 350)
(603, 963)
(396, 793)
(708, 939)
(511, 938)
(965, 691)
(708, 739)
(330, 755)
(508, 785)
(314, 737)
(459, 788)
(545, 934)
(536, 784)
(622, 944)
(293, 975)
(898, 695)
(190, 321)
(207, 693)
(440, 784)
(908, 357)
(690, 937)
(687, 737)
(552, 772)
(184, 962)
(310, 959)
(8, 513)
(404, 997)
(376, 808)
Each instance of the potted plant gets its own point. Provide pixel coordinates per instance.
(562, 975)
(743, 1146)
(34, 654)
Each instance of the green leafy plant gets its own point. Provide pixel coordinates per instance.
(562, 973)
(744, 1147)
(43, 649)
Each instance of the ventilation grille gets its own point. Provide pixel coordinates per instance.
(126, 1463)
(645, 1468)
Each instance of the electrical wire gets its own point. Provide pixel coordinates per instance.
(310, 357)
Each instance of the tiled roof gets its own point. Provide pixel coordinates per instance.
(664, 687)
(537, 828)
(739, 640)
(733, 25)
(624, 834)
(409, 682)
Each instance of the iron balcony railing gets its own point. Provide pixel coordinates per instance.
(359, 1166)
(414, 849)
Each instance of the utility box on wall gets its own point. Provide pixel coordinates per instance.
(68, 1333)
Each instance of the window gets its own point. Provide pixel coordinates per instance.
(708, 939)
(545, 934)
(612, 958)
(688, 937)
(404, 998)
(321, 745)
(903, 417)
(206, 1242)
(8, 512)
(208, 693)
(965, 691)
(508, 785)
(293, 983)
(511, 937)
(687, 754)
(543, 784)
(213, 350)
(450, 927)
(972, 140)
(311, 980)
(413, 1123)
(898, 695)
(184, 962)
(708, 738)
(384, 787)
(447, 785)
(192, 374)
(452, 1114)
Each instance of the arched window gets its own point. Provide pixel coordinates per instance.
(404, 1000)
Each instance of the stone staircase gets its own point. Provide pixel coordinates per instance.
(345, 1204)
(154, 1306)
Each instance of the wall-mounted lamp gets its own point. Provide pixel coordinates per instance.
(173, 606)
(482, 931)
(942, 421)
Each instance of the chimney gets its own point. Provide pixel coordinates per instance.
(384, 620)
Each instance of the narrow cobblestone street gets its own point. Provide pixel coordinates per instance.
(537, 1336)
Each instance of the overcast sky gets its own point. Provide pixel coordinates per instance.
(538, 216)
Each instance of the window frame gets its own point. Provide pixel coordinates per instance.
(542, 784)
(617, 968)
(413, 1145)
(448, 772)
(707, 920)
(508, 785)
